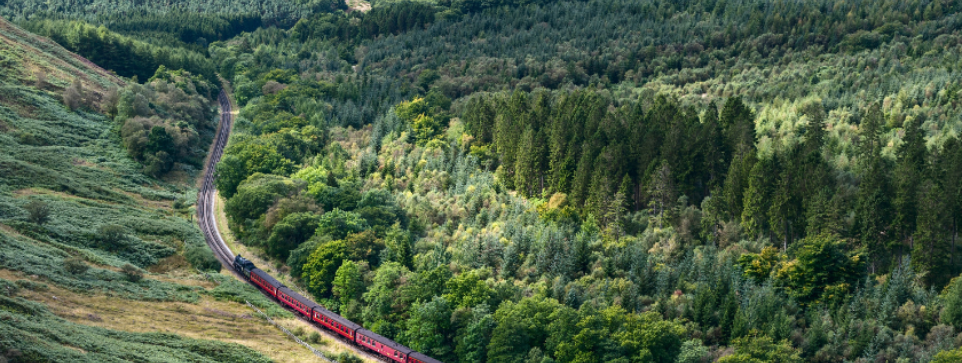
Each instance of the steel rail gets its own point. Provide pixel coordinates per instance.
(208, 224)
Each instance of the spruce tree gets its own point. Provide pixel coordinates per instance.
(950, 173)
(931, 248)
(873, 210)
(737, 182)
(907, 176)
(756, 200)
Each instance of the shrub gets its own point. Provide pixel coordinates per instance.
(347, 357)
(38, 212)
(75, 266)
(31, 285)
(202, 258)
(111, 237)
(73, 96)
(132, 273)
(314, 338)
(8, 288)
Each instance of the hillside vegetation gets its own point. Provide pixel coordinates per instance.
(621, 181)
(98, 262)
(561, 181)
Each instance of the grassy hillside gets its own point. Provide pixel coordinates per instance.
(104, 276)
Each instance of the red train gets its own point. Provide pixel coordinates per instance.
(328, 319)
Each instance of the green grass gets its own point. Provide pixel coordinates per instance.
(75, 164)
(29, 332)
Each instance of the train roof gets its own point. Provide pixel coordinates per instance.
(266, 277)
(245, 262)
(388, 342)
(339, 319)
(424, 358)
(298, 297)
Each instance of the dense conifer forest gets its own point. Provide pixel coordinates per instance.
(574, 181)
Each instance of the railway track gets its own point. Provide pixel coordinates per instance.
(208, 225)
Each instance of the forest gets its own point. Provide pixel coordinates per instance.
(579, 181)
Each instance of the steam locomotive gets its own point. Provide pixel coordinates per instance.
(328, 319)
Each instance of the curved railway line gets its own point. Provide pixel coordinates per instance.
(208, 225)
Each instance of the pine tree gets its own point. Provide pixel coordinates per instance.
(738, 123)
(785, 210)
(712, 143)
(757, 195)
(662, 190)
(911, 160)
(737, 182)
(873, 208)
(527, 170)
(932, 250)
(950, 173)
(583, 176)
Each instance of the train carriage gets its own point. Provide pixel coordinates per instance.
(296, 301)
(383, 346)
(328, 319)
(265, 281)
(416, 357)
(337, 323)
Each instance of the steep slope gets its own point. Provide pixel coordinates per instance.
(92, 252)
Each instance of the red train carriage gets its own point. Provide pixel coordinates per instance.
(266, 282)
(328, 319)
(383, 346)
(337, 323)
(297, 302)
(416, 357)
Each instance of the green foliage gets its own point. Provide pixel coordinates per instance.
(467, 290)
(290, 232)
(952, 300)
(132, 273)
(338, 224)
(33, 333)
(822, 269)
(762, 349)
(75, 265)
(429, 329)
(163, 121)
(692, 351)
(948, 356)
(760, 266)
(691, 160)
(201, 257)
(321, 267)
(111, 237)
(230, 289)
(348, 357)
(384, 297)
(348, 284)
(38, 212)
(128, 56)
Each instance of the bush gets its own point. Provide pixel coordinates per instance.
(8, 288)
(347, 357)
(314, 338)
(31, 285)
(75, 266)
(202, 258)
(38, 212)
(132, 273)
(111, 237)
